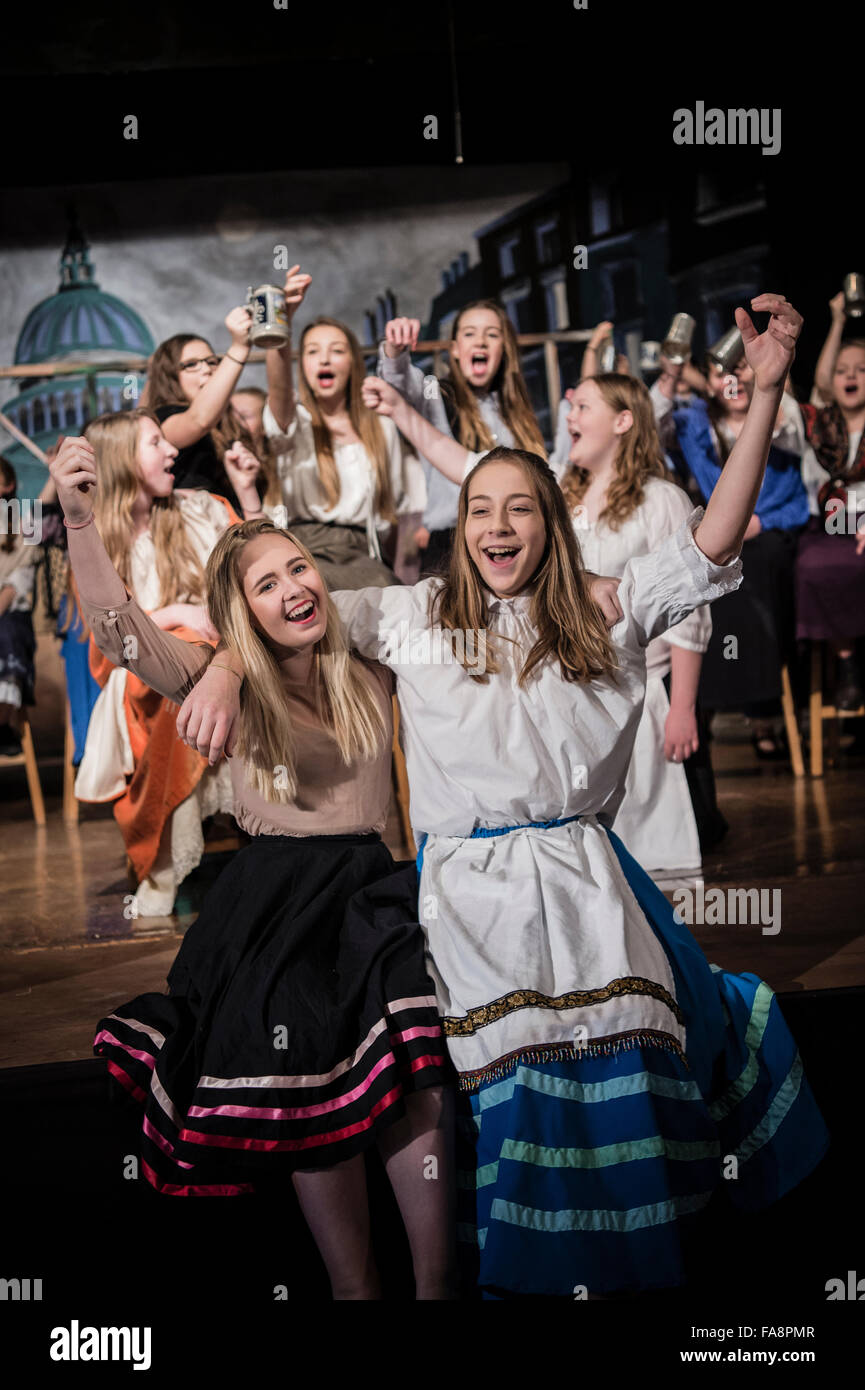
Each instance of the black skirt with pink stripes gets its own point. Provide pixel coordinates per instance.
(299, 1016)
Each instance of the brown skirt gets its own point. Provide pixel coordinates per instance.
(341, 555)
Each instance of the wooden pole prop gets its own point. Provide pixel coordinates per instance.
(22, 438)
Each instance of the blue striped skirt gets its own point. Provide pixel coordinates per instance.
(589, 1172)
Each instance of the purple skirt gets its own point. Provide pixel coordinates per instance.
(830, 586)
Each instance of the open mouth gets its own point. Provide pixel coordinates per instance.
(850, 388)
(502, 555)
(303, 614)
(325, 378)
(480, 362)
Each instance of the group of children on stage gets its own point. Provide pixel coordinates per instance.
(528, 969)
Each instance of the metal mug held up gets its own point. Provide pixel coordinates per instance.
(605, 354)
(677, 344)
(270, 326)
(650, 355)
(854, 295)
(727, 351)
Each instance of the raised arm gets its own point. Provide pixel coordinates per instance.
(731, 505)
(396, 368)
(121, 629)
(280, 380)
(450, 458)
(188, 426)
(825, 368)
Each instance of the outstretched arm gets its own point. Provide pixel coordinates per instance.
(190, 425)
(722, 529)
(121, 629)
(444, 453)
(825, 368)
(280, 382)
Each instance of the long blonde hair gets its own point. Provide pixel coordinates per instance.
(115, 442)
(639, 454)
(344, 702)
(469, 427)
(365, 423)
(569, 623)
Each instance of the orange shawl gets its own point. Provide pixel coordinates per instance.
(167, 771)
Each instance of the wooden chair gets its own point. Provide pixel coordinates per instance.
(70, 801)
(820, 712)
(400, 785)
(27, 757)
(791, 724)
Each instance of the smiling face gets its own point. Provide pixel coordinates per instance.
(479, 346)
(848, 379)
(505, 529)
(595, 428)
(326, 362)
(192, 379)
(154, 458)
(735, 397)
(286, 595)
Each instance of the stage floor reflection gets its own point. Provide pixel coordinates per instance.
(70, 950)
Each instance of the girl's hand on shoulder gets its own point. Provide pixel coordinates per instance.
(770, 354)
(209, 716)
(605, 592)
(73, 471)
(680, 735)
(377, 395)
(401, 335)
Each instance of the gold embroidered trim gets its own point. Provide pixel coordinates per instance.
(485, 1014)
(472, 1081)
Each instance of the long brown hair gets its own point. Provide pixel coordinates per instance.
(115, 442)
(470, 429)
(365, 423)
(569, 624)
(163, 388)
(639, 455)
(345, 703)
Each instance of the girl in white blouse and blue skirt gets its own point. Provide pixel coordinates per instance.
(606, 1070)
(346, 475)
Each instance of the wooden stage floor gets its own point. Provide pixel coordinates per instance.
(68, 954)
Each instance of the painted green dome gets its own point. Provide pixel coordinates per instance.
(81, 319)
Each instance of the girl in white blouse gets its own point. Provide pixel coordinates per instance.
(623, 505)
(605, 1069)
(346, 475)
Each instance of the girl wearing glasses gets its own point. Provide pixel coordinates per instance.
(189, 388)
